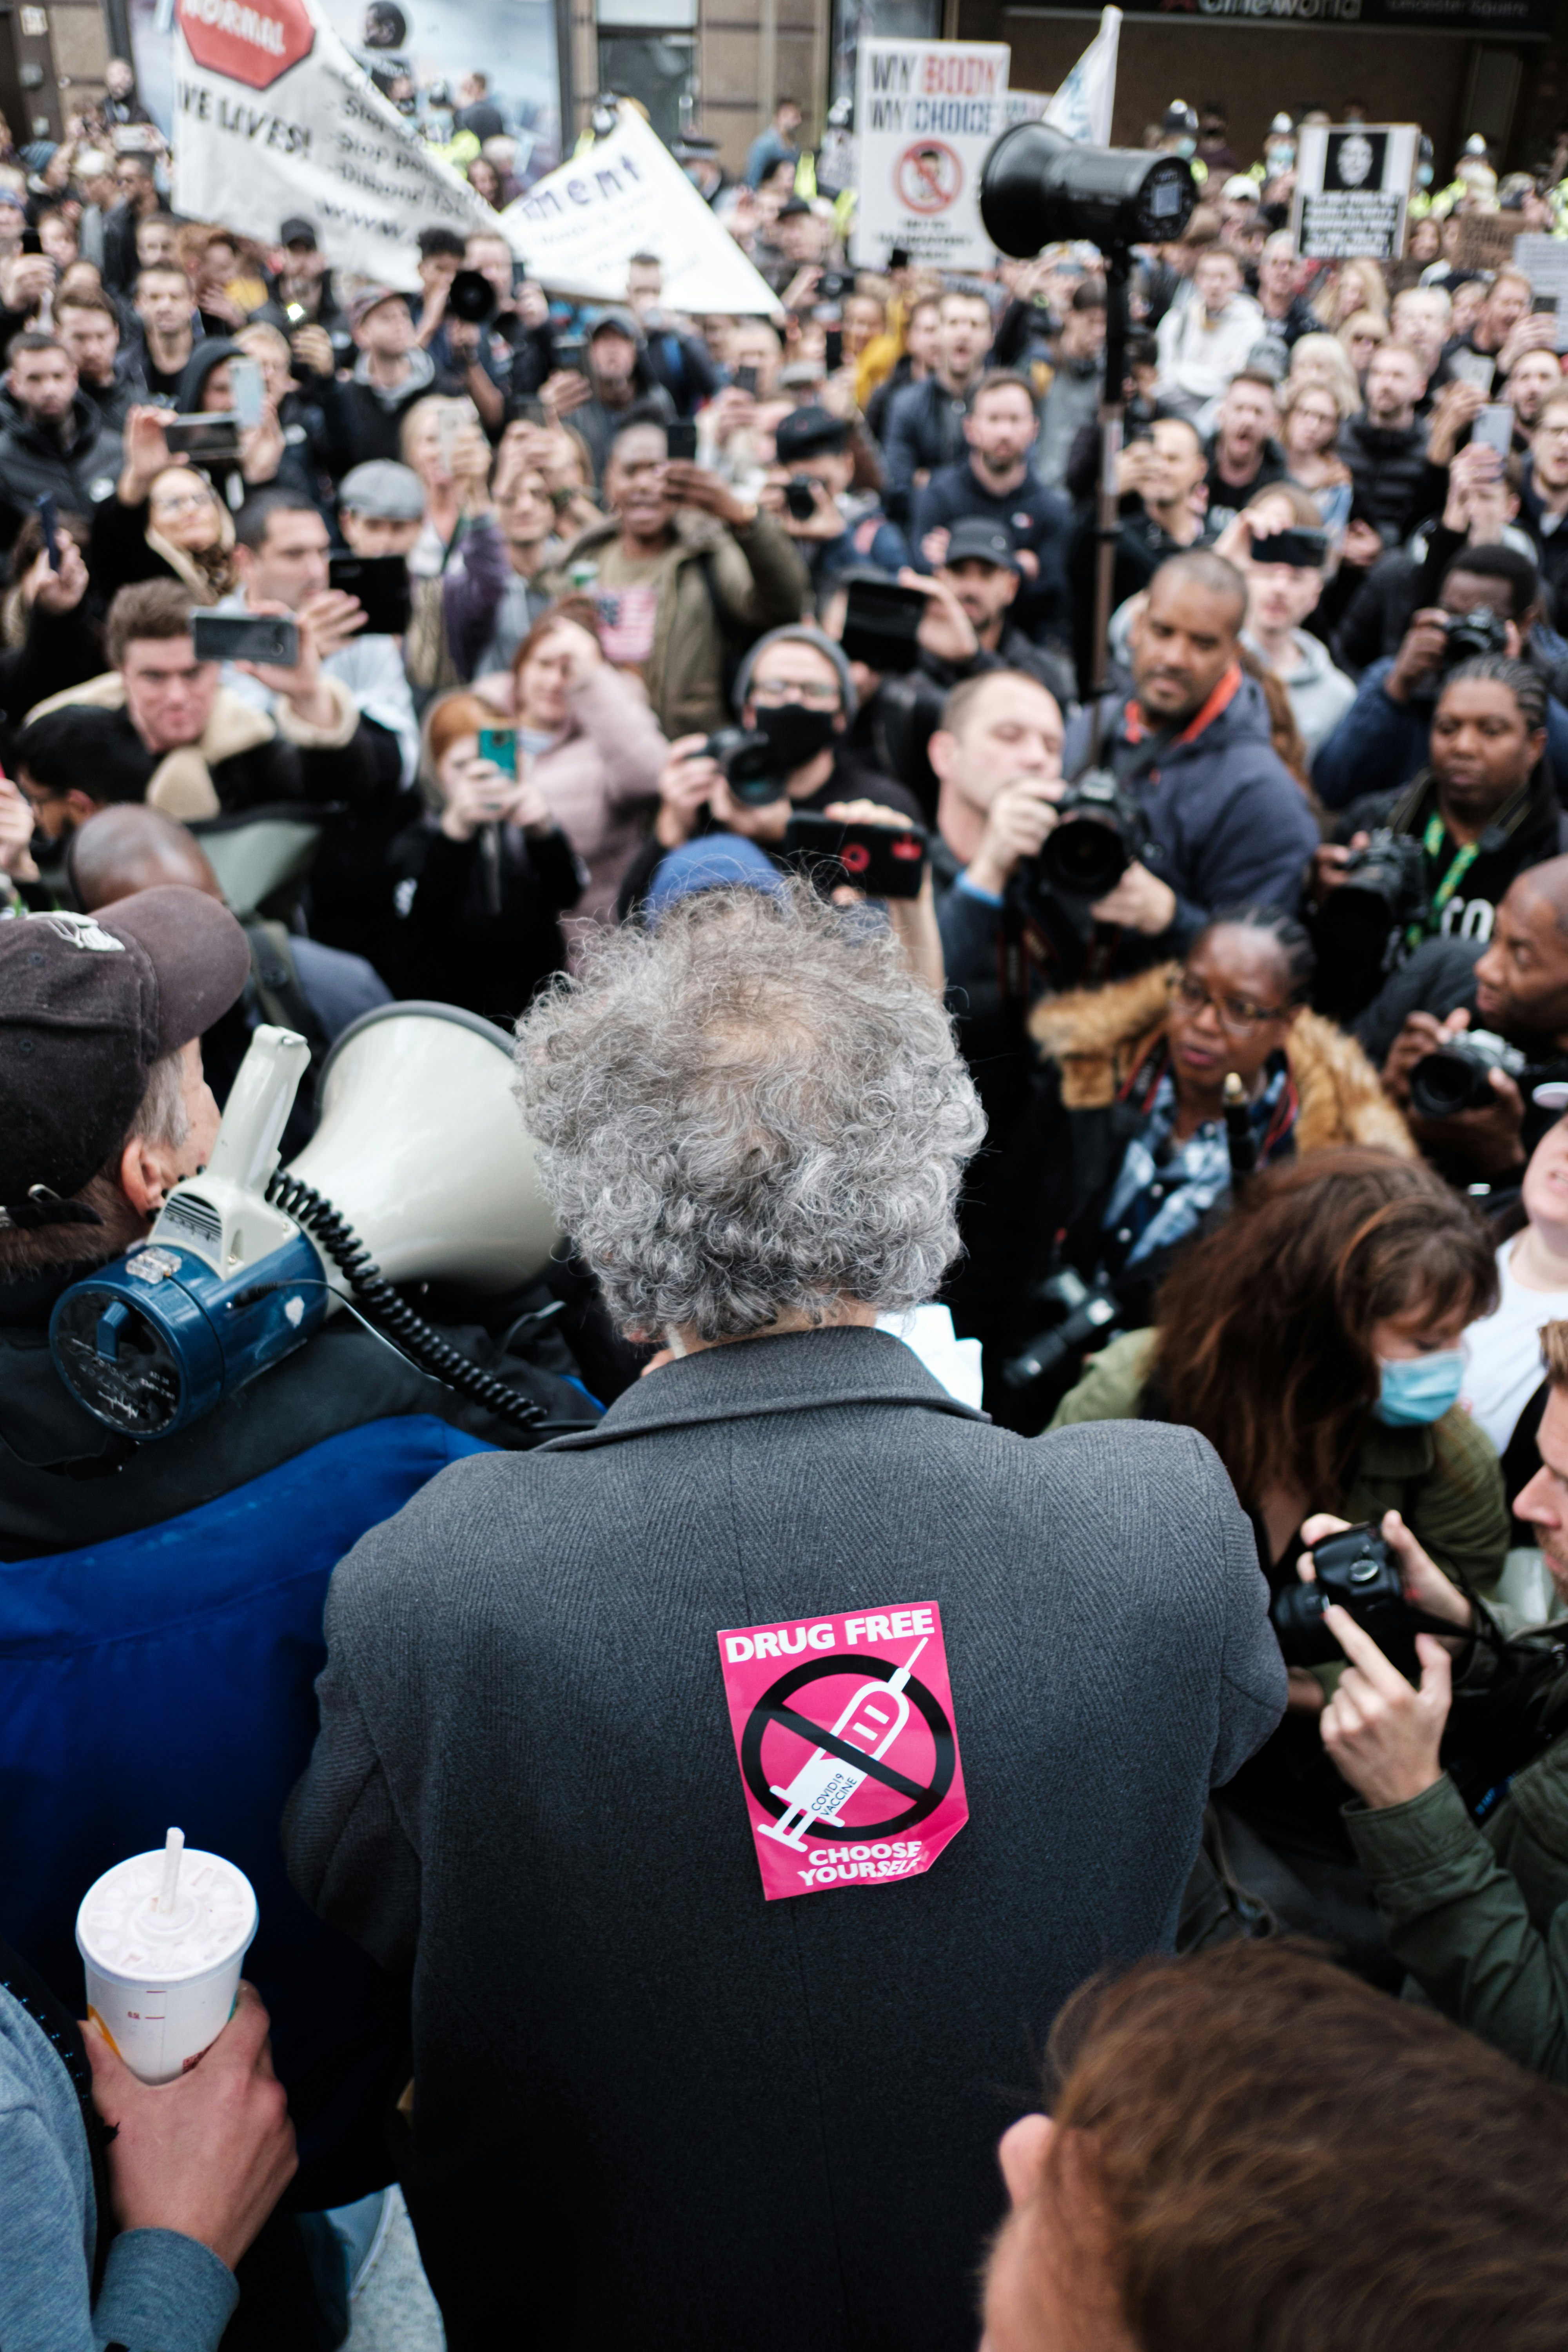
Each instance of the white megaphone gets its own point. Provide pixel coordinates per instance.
(421, 1148)
(419, 1169)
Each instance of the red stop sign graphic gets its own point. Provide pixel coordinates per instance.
(252, 41)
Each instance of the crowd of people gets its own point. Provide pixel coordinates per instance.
(566, 664)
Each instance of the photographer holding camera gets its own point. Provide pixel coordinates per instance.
(795, 699)
(1314, 1338)
(1488, 603)
(1209, 814)
(1435, 859)
(1477, 1916)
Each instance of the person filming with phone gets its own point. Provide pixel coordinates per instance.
(204, 751)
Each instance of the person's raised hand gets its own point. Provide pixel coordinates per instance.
(313, 347)
(945, 628)
(146, 453)
(532, 304)
(690, 485)
(1017, 823)
(687, 781)
(1382, 1734)
(17, 824)
(566, 390)
(823, 525)
(262, 448)
(1267, 520)
(934, 547)
(209, 2156)
(482, 793)
(214, 302)
(1535, 332)
(1137, 469)
(1140, 902)
(334, 617)
(61, 591)
(1420, 655)
(1361, 546)
(801, 289)
(730, 412)
(584, 654)
(301, 683)
(470, 466)
(1455, 406)
(25, 280)
(1423, 1034)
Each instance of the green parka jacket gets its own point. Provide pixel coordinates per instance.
(1480, 1917)
(722, 588)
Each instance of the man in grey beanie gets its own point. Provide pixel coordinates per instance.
(794, 687)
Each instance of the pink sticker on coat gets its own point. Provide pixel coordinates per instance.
(847, 1747)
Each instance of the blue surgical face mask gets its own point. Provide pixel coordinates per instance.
(1279, 159)
(1423, 175)
(1186, 146)
(1420, 1388)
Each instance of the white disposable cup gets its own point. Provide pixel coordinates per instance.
(163, 1989)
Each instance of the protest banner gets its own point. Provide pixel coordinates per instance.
(1083, 105)
(1353, 185)
(927, 114)
(273, 118)
(578, 228)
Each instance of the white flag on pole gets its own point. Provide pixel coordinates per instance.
(578, 228)
(273, 118)
(1082, 105)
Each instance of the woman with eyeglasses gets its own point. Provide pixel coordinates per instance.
(1139, 1149)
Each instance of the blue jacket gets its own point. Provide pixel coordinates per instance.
(1381, 744)
(1229, 823)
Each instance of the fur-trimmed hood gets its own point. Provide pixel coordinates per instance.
(182, 783)
(1098, 1037)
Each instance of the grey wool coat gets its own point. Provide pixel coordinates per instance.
(650, 2107)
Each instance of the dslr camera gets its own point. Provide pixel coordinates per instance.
(1357, 1571)
(1468, 636)
(1099, 831)
(1081, 1312)
(1458, 1075)
(747, 759)
(1382, 893)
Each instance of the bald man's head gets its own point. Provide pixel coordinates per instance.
(130, 847)
(1521, 980)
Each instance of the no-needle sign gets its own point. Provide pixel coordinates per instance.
(251, 41)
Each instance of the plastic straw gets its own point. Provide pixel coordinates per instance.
(173, 1847)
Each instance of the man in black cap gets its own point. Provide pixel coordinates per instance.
(815, 460)
(982, 569)
(196, 1560)
(303, 290)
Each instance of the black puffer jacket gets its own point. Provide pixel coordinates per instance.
(1394, 485)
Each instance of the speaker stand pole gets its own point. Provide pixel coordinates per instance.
(1118, 269)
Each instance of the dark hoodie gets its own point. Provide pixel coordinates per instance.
(79, 467)
(292, 473)
(1526, 831)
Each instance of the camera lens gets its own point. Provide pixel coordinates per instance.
(1445, 1082)
(1084, 856)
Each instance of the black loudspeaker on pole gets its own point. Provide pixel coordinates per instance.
(1040, 187)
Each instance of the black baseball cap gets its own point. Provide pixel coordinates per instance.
(975, 540)
(792, 208)
(87, 1003)
(298, 232)
(810, 432)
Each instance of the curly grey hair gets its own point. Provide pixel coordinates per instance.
(753, 1111)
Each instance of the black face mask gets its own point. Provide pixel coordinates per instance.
(795, 734)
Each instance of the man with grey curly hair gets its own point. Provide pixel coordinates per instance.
(755, 1120)
(747, 1781)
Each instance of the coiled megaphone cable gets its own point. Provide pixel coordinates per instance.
(332, 1231)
